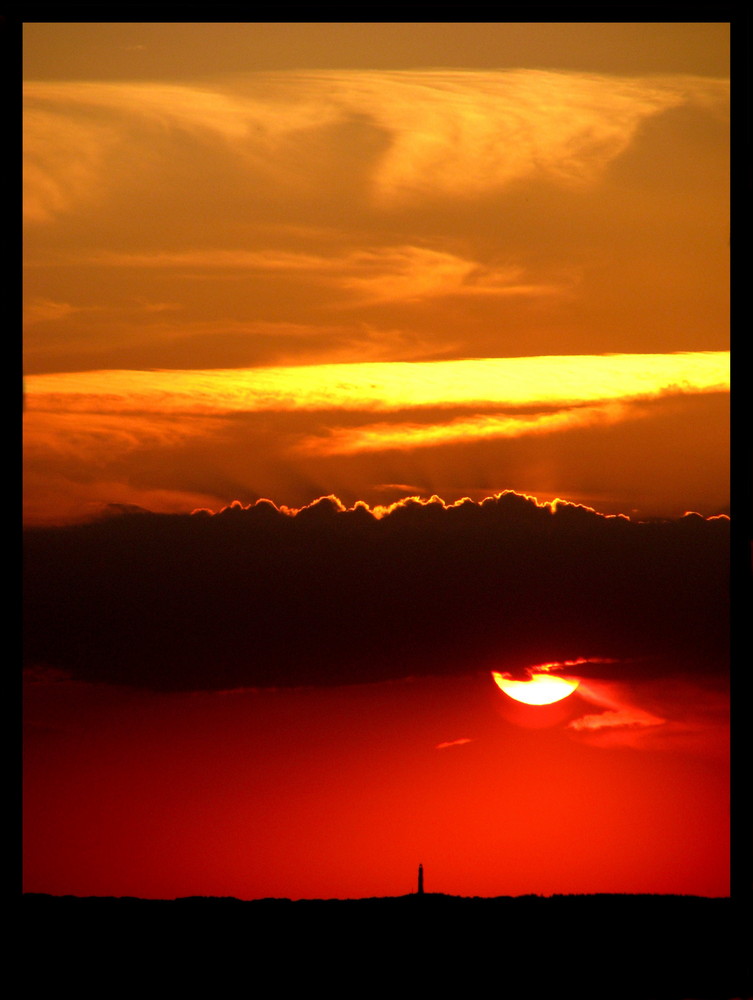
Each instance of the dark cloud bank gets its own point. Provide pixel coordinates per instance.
(253, 597)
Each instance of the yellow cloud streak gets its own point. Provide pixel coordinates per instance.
(381, 437)
(558, 380)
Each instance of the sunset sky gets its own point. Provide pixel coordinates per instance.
(483, 266)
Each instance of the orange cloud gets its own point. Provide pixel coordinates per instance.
(54, 497)
(447, 133)
(65, 161)
(370, 275)
(47, 311)
(86, 436)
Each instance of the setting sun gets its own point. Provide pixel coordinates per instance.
(541, 689)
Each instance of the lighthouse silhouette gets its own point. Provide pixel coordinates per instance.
(420, 880)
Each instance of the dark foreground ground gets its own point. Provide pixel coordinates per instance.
(641, 947)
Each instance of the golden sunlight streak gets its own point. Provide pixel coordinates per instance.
(381, 437)
(541, 689)
(384, 386)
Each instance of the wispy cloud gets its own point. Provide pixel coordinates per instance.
(88, 436)
(623, 718)
(47, 311)
(446, 133)
(667, 714)
(368, 275)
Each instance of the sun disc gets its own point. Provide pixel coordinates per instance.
(541, 689)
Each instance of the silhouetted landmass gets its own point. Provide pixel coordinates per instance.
(639, 946)
(592, 900)
(252, 597)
